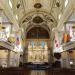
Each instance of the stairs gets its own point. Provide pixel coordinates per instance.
(38, 72)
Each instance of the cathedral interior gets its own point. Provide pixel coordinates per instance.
(37, 37)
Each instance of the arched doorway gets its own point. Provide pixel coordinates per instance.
(37, 45)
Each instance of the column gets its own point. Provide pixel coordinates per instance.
(8, 58)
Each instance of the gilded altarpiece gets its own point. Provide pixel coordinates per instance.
(37, 50)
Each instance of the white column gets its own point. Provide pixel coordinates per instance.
(8, 58)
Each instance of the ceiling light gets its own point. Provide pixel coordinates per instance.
(7, 30)
(22, 30)
(71, 63)
(53, 29)
(66, 2)
(10, 3)
(16, 17)
(59, 16)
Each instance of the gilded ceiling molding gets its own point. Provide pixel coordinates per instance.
(43, 26)
(34, 12)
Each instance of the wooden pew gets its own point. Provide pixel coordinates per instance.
(14, 71)
(60, 72)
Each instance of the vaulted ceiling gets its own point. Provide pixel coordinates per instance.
(26, 14)
(22, 7)
(48, 10)
(25, 10)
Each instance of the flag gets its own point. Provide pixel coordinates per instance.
(17, 41)
(56, 42)
(66, 37)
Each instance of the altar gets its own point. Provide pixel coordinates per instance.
(37, 51)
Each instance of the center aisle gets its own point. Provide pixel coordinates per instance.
(38, 72)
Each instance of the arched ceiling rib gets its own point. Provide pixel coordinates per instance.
(24, 8)
(44, 14)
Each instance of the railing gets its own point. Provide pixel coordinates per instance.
(12, 62)
(68, 63)
(3, 62)
(7, 45)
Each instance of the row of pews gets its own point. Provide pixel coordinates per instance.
(27, 71)
(38, 72)
(14, 71)
(60, 71)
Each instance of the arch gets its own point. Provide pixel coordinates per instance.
(29, 16)
(37, 33)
